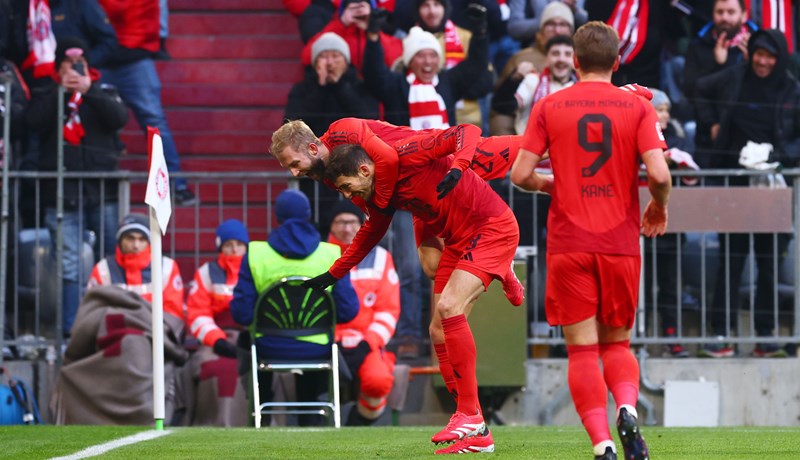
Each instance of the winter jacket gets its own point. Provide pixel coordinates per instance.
(208, 312)
(136, 23)
(378, 288)
(132, 273)
(102, 115)
(700, 60)
(719, 93)
(86, 20)
(319, 106)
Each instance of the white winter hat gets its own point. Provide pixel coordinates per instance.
(418, 40)
(557, 10)
(330, 41)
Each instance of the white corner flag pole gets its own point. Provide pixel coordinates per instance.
(158, 198)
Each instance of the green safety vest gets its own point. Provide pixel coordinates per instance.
(268, 267)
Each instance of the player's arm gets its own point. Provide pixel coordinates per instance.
(659, 182)
(532, 150)
(386, 311)
(460, 141)
(524, 175)
(368, 236)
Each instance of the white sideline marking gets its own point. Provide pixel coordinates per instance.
(105, 447)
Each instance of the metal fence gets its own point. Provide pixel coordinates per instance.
(30, 294)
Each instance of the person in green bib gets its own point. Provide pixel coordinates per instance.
(294, 248)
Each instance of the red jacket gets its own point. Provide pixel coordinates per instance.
(296, 7)
(357, 39)
(378, 290)
(136, 22)
(208, 305)
(132, 273)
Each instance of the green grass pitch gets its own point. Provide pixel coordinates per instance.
(511, 442)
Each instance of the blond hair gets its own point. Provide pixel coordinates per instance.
(295, 134)
(596, 46)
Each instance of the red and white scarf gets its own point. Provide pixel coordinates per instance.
(426, 107)
(453, 48)
(740, 36)
(777, 14)
(629, 19)
(73, 129)
(41, 41)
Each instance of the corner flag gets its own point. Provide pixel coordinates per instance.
(158, 193)
(157, 197)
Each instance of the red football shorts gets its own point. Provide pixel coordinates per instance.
(425, 235)
(583, 285)
(487, 253)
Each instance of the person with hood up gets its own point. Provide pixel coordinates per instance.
(292, 249)
(753, 106)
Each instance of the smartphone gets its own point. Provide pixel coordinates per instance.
(78, 67)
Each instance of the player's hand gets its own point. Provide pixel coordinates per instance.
(321, 281)
(654, 220)
(638, 90)
(224, 348)
(448, 183)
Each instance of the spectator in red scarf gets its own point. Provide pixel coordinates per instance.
(434, 16)
(94, 113)
(425, 96)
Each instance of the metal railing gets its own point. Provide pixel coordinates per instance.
(34, 299)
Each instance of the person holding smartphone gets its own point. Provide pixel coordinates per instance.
(93, 113)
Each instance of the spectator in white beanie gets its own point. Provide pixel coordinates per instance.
(426, 96)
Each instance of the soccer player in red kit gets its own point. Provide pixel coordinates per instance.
(596, 136)
(297, 149)
(480, 236)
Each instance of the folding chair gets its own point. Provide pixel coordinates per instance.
(287, 309)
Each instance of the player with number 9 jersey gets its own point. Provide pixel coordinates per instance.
(587, 130)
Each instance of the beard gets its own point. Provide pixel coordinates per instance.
(317, 171)
(730, 29)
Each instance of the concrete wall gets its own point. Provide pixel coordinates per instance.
(753, 391)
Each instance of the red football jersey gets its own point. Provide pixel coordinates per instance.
(595, 134)
(424, 161)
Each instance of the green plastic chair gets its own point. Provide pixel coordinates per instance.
(287, 309)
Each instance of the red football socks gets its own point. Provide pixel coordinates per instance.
(463, 355)
(446, 369)
(621, 372)
(588, 389)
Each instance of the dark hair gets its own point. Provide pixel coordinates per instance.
(559, 40)
(740, 2)
(344, 160)
(596, 46)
